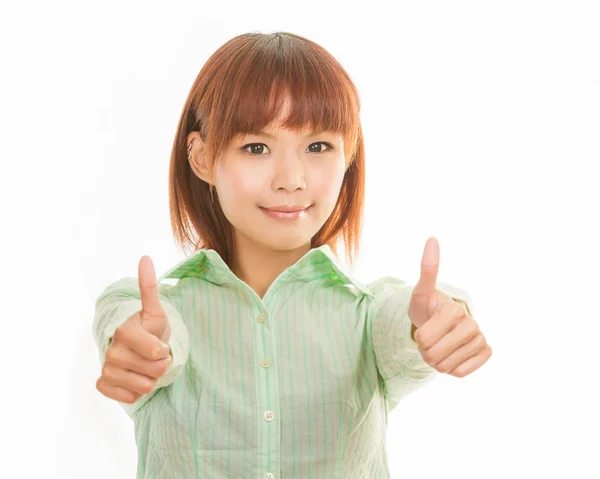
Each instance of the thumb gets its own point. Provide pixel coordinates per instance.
(425, 289)
(424, 299)
(154, 318)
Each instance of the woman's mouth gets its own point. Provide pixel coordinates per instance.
(286, 212)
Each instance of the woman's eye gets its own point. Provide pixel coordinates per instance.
(256, 149)
(321, 143)
(253, 150)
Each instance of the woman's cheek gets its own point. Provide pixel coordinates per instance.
(327, 183)
(251, 180)
(239, 185)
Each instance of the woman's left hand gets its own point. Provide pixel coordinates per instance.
(448, 338)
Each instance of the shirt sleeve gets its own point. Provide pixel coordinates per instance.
(115, 305)
(398, 359)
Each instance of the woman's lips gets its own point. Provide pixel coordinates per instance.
(285, 215)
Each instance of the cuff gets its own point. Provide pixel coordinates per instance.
(459, 295)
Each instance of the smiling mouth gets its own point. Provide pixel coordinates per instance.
(286, 212)
(286, 208)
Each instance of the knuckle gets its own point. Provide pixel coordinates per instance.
(162, 367)
(473, 327)
(107, 371)
(428, 357)
(442, 367)
(119, 334)
(422, 339)
(157, 368)
(131, 398)
(100, 385)
(111, 354)
(148, 386)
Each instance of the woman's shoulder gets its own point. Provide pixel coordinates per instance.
(388, 291)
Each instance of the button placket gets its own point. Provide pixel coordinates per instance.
(268, 392)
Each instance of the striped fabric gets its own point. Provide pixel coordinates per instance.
(295, 385)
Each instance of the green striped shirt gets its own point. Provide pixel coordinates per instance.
(296, 385)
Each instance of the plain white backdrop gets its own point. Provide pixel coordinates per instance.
(482, 128)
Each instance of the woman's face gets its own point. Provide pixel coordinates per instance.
(260, 178)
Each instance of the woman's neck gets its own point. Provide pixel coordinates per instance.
(258, 265)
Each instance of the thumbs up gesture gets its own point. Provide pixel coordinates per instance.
(139, 353)
(449, 339)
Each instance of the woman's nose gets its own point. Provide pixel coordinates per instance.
(289, 173)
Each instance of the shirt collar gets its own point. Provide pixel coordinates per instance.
(317, 263)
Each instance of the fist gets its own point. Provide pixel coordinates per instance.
(138, 354)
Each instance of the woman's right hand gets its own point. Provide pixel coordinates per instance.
(138, 354)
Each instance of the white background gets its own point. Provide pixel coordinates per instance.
(482, 128)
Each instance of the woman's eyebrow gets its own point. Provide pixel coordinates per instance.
(308, 135)
(264, 133)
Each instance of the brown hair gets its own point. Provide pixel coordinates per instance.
(239, 90)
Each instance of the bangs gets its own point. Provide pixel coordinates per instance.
(274, 73)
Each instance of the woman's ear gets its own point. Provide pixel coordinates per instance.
(197, 157)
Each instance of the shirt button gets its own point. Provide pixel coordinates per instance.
(265, 363)
(268, 475)
(269, 415)
(261, 317)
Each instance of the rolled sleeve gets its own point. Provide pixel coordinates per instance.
(399, 361)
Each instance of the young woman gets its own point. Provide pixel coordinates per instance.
(272, 360)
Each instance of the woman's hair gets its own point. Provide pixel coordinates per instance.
(240, 89)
